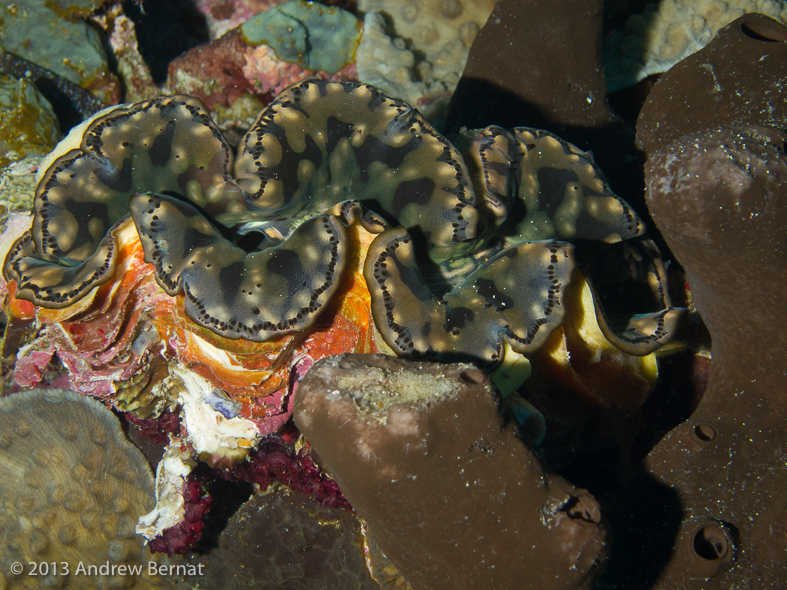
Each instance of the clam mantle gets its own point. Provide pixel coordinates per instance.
(468, 257)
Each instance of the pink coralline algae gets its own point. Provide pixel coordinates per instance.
(224, 15)
(277, 460)
(218, 72)
(188, 531)
(269, 75)
(222, 71)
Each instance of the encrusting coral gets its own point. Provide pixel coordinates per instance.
(223, 15)
(415, 51)
(48, 35)
(669, 31)
(30, 126)
(71, 490)
(312, 35)
(18, 183)
(72, 102)
(260, 254)
(449, 492)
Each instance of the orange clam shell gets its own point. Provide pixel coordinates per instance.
(107, 325)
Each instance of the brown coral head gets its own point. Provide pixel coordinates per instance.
(706, 548)
(718, 197)
(767, 30)
(448, 490)
(73, 488)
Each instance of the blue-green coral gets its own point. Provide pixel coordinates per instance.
(312, 35)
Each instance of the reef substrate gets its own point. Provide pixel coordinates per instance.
(203, 264)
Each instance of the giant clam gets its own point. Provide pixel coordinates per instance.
(462, 265)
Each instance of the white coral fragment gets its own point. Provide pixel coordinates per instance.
(210, 432)
(171, 474)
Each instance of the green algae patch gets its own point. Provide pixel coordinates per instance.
(29, 124)
(311, 35)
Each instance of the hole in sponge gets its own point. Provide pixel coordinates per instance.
(704, 432)
(764, 30)
(711, 543)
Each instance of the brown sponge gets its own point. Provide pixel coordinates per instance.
(719, 198)
(449, 491)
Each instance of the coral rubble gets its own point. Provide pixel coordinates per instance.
(450, 493)
(176, 522)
